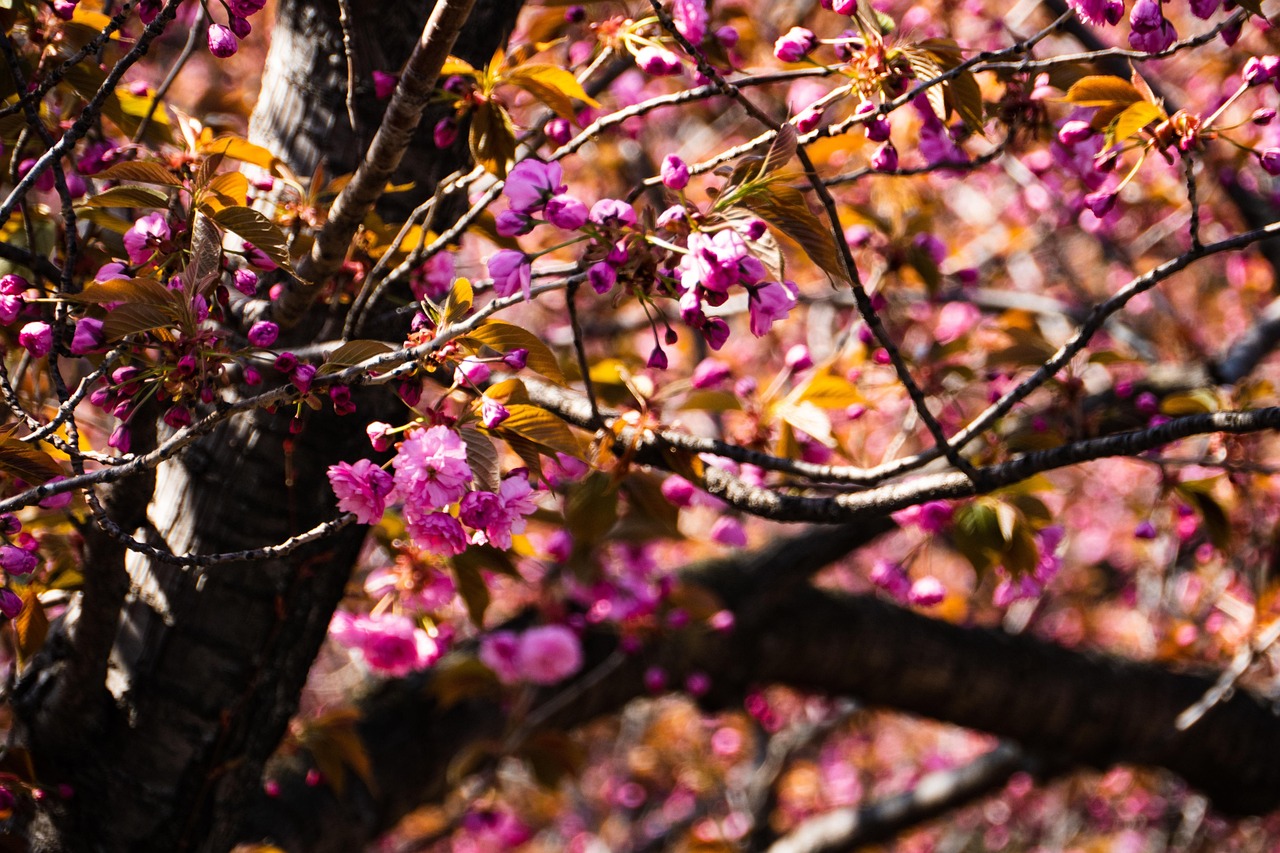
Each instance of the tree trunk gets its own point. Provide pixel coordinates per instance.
(166, 739)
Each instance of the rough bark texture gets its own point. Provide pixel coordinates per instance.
(206, 666)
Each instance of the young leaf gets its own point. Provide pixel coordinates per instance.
(31, 464)
(30, 627)
(493, 138)
(251, 226)
(135, 318)
(472, 588)
(127, 196)
(785, 209)
(230, 189)
(205, 267)
(238, 148)
(352, 353)
(541, 427)
(1131, 121)
(504, 337)
(482, 457)
(142, 172)
(553, 86)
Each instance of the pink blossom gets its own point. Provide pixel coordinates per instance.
(511, 272)
(379, 435)
(436, 532)
(473, 370)
(37, 337)
(891, 578)
(926, 592)
(565, 211)
(245, 8)
(89, 335)
(955, 320)
(795, 44)
(389, 643)
(513, 223)
(362, 488)
(885, 158)
(770, 303)
(728, 531)
(445, 133)
(431, 468)
(709, 373)
(691, 19)
(17, 561)
(500, 651)
(146, 235)
(384, 84)
(548, 654)
(658, 61)
(492, 413)
(675, 173)
(222, 41)
(263, 333)
(798, 358)
(678, 491)
(531, 182)
(10, 603)
(612, 212)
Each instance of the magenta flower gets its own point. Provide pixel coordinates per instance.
(10, 603)
(1270, 160)
(89, 335)
(728, 531)
(302, 376)
(891, 578)
(955, 320)
(492, 413)
(384, 84)
(531, 182)
(431, 468)
(222, 41)
(379, 434)
(516, 359)
(362, 488)
(445, 133)
(263, 333)
(500, 652)
(709, 373)
(795, 44)
(1098, 12)
(610, 213)
(146, 236)
(389, 643)
(513, 223)
(565, 211)
(771, 303)
(885, 158)
(691, 19)
(245, 8)
(37, 337)
(675, 172)
(17, 561)
(658, 62)
(472, 370)
(246, 281)
(436, 532)
(511, 272)
(548, 654)
(926, 592)
(1074, 131)
(10, 307)
(1150, 31)
(602, 276)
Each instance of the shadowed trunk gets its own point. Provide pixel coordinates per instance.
(165, 741)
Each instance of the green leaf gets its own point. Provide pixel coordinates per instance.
(135, 318)
(251, 226)
(30, 463)
(503, 337)
(493, 138)
(474, 591)
(147, 291)
(30, 627)
(1132, 120)
(352, 353)
(541, 427)
(592, 508)
(141, 172)
(482, 457)
(553, 86)
(127, 196)
(784, 208)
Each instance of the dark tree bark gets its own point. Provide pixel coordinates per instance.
(164, 739)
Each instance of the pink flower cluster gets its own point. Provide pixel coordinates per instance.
(389, 643)
(223, 38)
(431, 475)
(544, 655)
(717, 262)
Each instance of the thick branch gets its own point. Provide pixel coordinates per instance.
(385, 153)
